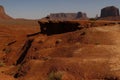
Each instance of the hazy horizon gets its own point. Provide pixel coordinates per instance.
(36, 9)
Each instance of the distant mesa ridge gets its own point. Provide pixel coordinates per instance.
(107, 13)
(110, 11)
(3, 15)
(68, 16)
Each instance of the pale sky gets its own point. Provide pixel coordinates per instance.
(36, 9)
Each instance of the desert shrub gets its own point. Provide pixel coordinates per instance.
(2, 64)
(92, 19)
(45, 58)
(7, 50)
(55, 76)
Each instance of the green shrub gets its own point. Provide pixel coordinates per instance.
(2, 64)
(92, 19)
(55, 76)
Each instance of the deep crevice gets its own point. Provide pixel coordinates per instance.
(24, 51)
(34, 34)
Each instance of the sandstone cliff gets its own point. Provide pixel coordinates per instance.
(3, 15)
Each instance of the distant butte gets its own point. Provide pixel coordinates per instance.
(110, 11)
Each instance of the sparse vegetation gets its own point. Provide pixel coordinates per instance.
(92, 19)
(7, 50)
(45, 58)
(55, 76)
(2, 64)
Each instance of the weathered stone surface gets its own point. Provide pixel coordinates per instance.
(58, 27)
(109, 11)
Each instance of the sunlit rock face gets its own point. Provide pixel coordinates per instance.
(3, 15)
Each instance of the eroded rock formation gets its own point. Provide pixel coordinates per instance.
(3, 15)
(68, 16)
(54, 27)
(81, 15)
(109, 11)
